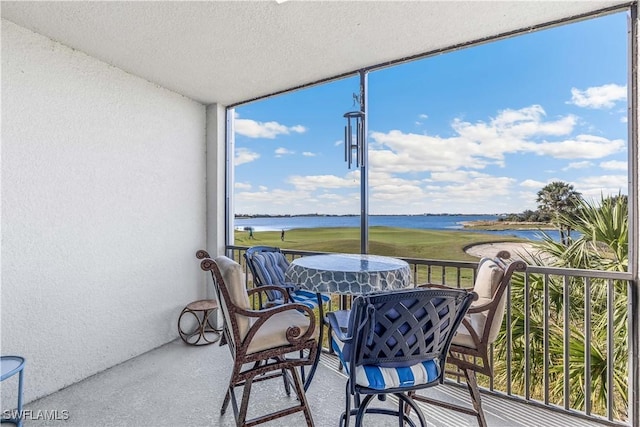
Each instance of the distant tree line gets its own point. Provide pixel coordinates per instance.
(526, 216)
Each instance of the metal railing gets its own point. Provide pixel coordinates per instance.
(566, 341)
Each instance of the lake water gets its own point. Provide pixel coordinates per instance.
(423, 222)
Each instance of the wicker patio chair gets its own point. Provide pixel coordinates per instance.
(265, 344)
(471, 346)
(396, 342)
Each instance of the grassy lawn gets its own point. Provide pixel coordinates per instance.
(390, 241)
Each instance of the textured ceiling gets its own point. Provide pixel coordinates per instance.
(232, 51)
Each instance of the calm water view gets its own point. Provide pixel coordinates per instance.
(432, 222)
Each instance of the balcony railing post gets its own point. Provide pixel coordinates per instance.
(587, 345)
(634, 353)
(547, 312)
(610, 348)
(566, 337)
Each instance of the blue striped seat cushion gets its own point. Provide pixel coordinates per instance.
(308, 298)
(382, 378)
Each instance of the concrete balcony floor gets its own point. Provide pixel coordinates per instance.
(180, 385)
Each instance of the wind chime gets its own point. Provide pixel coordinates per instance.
(354, 139)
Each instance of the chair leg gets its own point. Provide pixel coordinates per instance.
(229, 395)
(225, 402)
(330, 337)
(362, 409)
(287, 386)
(302, 397)
(347, 413)
(244, 405)
(472, 385)
(302, 367)
(408, 404)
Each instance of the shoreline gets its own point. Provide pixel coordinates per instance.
(524, 251)
(506, 225)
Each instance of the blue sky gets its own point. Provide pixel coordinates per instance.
(479, 130)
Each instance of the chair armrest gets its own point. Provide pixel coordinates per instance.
(264, 288)
(268, 312)
(290, 287)
(339, 321)
(293, 333)
(342, 318)
(287, 285)
(482, 307)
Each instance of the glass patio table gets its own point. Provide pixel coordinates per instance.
(346, 274)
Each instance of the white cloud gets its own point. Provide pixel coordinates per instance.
(314, 182)
(595, 186)
(268, 201)
(242, 186)
(614, 165)
(330, 196)
(604, 181)
(527, 122)
(386, 188)
(582, 146)
(421, 118)
(397, 152)
(592, 186)
(244, 155)
(478, 187)
(532, 183)
(469, 192)
(578, 165)
(598, 97)
(281, 151)
(309, 154)
(476, 145)
(269, 130)
(458, 176)
(624, 119)
(511, 132)
(277, 201)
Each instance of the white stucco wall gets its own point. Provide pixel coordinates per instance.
(103, 208)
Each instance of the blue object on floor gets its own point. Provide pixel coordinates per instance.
(9, 366)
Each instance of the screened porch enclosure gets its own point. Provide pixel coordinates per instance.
(116, 169)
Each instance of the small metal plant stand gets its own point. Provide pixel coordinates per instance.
(204, 312)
